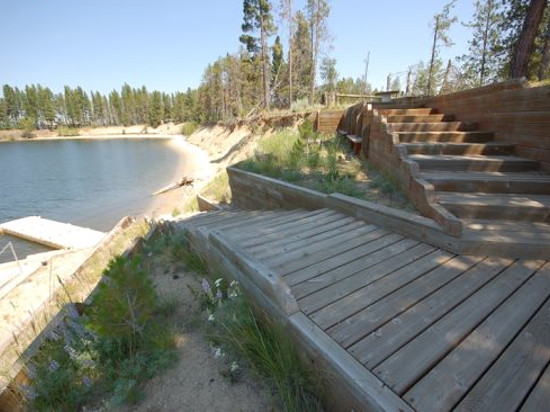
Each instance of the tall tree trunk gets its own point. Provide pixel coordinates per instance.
(525, 43)
(314, 53)
(544, 70)
(290, 53)
(485, 41)
(432, 60)
(265, 67)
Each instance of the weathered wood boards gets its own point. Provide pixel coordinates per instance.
(328, 121)
(392, 316)
(515, 111)
(51, 233)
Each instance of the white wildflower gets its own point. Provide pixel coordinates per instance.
(234, 367)
(211, 318)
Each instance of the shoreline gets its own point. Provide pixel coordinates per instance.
(194, 163)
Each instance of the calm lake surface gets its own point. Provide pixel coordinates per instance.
(91, 183)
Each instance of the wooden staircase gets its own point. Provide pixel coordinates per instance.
(498, 196)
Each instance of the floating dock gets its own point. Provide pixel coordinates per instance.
(53, 234)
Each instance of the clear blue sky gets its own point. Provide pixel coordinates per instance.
(166, 44)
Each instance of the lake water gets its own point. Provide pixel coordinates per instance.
(91, 183)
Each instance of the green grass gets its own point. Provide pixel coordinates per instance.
(269, 351)
(218, 189)
(67, 131)
(324, 164)
(189, 128)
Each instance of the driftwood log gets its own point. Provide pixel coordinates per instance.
(184, 181)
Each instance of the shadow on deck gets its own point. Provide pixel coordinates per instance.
(397, 323)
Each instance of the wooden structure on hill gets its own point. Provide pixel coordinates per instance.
(475, 161)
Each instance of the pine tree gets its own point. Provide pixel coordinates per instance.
(302, 57)
(526, 41)
(317, 12)
(167, 104)
(285, 7)
(47, 105)
(156, 112)
(30, 103)
(481, 65)
(441, 24)
(11, 96)
(116, 107)
(4, 118)
(257, 17)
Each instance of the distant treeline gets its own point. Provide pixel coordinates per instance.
(36, 106)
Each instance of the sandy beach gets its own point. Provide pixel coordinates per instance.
(194, 164)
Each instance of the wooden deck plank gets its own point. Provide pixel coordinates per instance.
(539, 398)
(251, 219)
(504, 225)
(316, 293)
(349, 260)
(268, 241)
(380, 344)
(511, 377)
(411, 362)
(313, 234)
(333, 277)
(375, 396)
(312, 253)
(246, 232)
(367, 320)
(462, 367)
(291, 222)
(213, 221)
(345, 307)
(199, 217)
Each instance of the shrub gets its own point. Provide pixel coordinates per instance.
(124, 305)
(189, 128)
(67, 131)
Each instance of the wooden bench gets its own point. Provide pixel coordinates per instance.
(353, 139)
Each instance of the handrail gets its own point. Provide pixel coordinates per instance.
(10, 245)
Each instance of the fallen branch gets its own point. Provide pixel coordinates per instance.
(184, 181)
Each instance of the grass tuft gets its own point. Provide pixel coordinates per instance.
(67, 131)
(189, 128)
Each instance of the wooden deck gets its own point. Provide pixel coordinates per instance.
(408, 326)
(51, 233)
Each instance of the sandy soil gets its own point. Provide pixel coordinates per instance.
(194, 164)
(195, 382)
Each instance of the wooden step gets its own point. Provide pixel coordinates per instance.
(412, 112)
(456, 137)
(430, 118)
(432, 127)
(491, 148)
(489, 182)
(474, 163)
(516, 238)
(531, 208)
